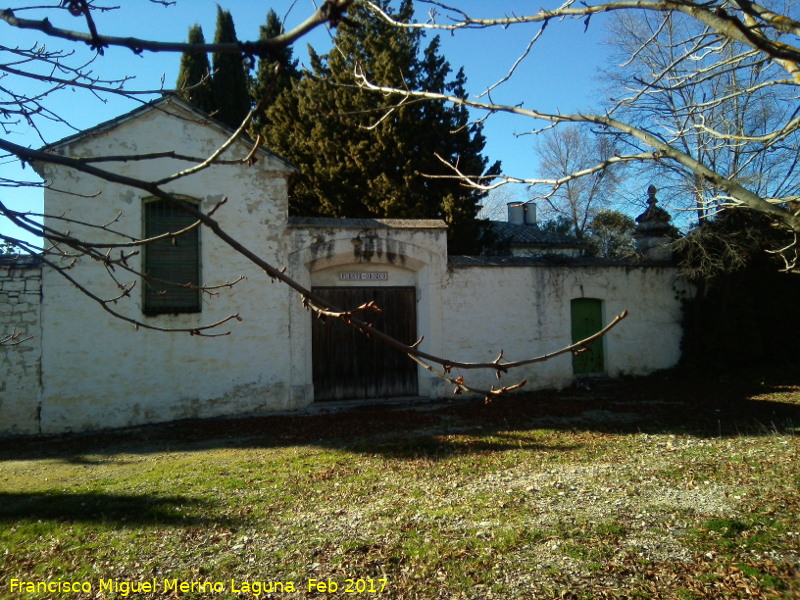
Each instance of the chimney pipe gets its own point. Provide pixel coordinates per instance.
(516, 213)
(522, 213)
(530, 214)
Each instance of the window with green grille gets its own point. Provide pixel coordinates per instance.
(171, 264)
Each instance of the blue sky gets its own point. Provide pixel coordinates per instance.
(561, 74)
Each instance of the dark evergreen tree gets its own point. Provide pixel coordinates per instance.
(229, 82)
(362, 154)
(743, 313)
(610, 235)
(276, 70)
(561, 225)
(194, 76)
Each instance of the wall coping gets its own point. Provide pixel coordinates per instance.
(20, 261)
(553, 260)
(334, 223)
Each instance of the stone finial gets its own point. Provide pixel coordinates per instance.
(655, 217)
(653, 230)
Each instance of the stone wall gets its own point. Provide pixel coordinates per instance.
(524, 310)
(100, 372)
(466, 312)
(93, 371)
(20, 354)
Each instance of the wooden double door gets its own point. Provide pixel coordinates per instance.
(347, 365)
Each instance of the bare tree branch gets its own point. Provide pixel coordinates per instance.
(15, 338)
(329, 12)
(661, 149)
(48, 67)
(718, 20)
(310, 300)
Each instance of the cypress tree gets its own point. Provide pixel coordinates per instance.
(229, 82)
(194, 76)
(361, 154)
(276, 69)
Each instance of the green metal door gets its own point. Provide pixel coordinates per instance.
(587, 319)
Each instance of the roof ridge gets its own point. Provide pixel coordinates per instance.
(165, 99)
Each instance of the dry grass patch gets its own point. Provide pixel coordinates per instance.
(691, 493)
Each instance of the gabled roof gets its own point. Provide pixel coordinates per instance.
(162, 104)
(517, 234)
(336, 223)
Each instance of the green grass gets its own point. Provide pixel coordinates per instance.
(517, 499)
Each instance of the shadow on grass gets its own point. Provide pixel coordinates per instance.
(664, 403)
(120, 510)
(435, 447)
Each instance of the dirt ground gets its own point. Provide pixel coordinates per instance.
(666, 402)
(662, 487)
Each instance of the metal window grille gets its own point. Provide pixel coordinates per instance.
(172, 264)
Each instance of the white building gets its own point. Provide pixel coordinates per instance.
(85, 369)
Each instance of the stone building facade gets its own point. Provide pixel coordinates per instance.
(84, 370)
(20, 344)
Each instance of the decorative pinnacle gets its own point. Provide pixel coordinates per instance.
(651, 195)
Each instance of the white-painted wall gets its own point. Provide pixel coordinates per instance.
(98, 371)
(412, 253)
(525, 312)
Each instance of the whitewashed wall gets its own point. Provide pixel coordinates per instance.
(411, 252)
(100, 372)
(525, 311)
(20, 304)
